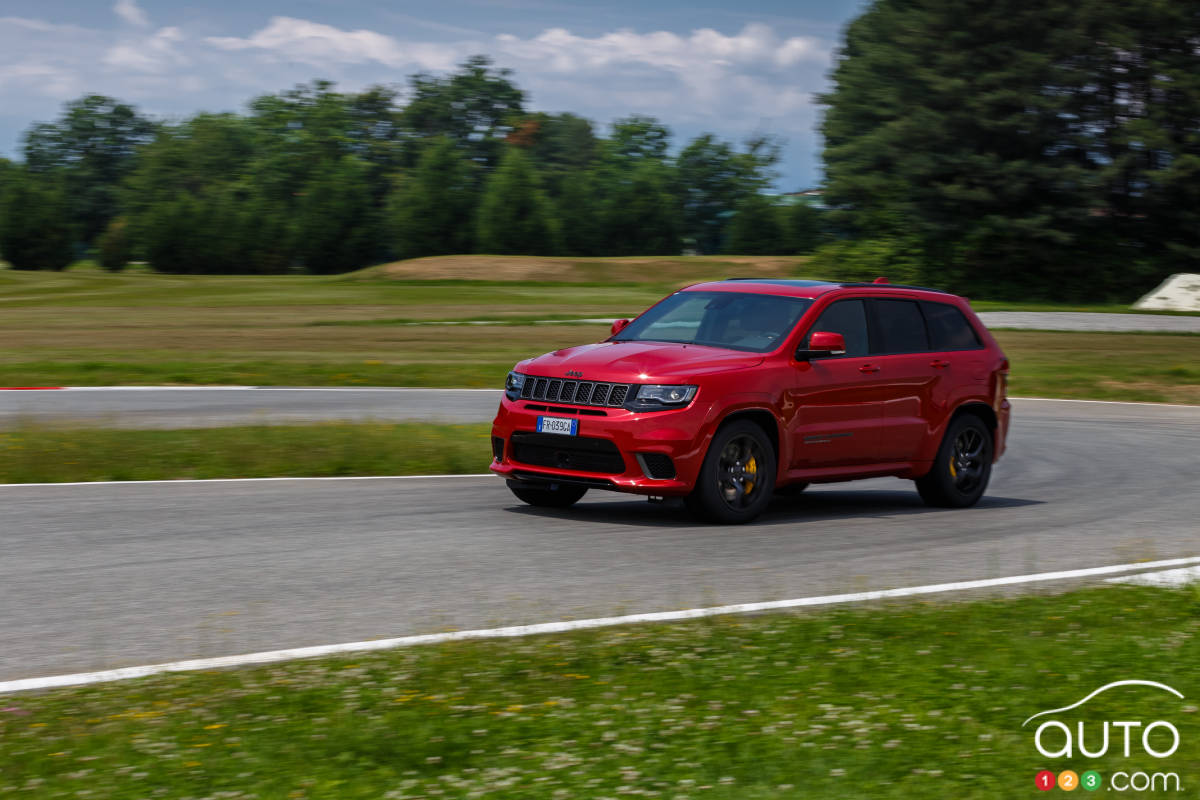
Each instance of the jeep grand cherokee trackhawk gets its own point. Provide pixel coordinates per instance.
(725, 392)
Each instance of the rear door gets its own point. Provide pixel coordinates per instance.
(908, 376)
(959, 358)
(835, 401)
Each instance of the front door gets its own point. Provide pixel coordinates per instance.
(836, 401)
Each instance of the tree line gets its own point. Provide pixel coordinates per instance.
(319, 181)
(1044, 150)
(998, 147)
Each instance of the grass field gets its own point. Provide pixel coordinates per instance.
(53, 455)
(893, 702)
(393, 325)
(1104, 366)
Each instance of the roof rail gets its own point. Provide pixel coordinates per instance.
(784, 281)
(863, 285)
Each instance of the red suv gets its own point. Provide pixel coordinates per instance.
(726, 392)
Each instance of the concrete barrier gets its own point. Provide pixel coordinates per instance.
(1179, 292)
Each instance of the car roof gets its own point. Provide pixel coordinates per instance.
(796, 287)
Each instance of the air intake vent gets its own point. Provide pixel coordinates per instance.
(578, 453)
(657, 466)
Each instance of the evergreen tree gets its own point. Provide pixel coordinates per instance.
(336, 226)
(1029, 149)
(713, 179)
(755, 228)
(432, 210)
(172, 237)
(475, 107)
(34, 223)
(802, 228)
(561, 147)
(642, 215)
(514, 215)
(114, 245)
(579, 207)
(91, 147)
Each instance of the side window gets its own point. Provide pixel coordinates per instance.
(949, 329)
(849, 318)
(899, 327)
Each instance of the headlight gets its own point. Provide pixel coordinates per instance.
(513, 385)
(654, 396)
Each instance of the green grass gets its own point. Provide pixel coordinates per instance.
(895, 702)
(1104, 366)
(86, 327)
(52, 455)
(1099, 308)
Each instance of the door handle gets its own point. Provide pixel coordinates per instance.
(867, 369)
(939, 364)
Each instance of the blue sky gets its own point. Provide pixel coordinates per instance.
(734, 69)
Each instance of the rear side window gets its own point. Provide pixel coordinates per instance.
(849, 318)
(899, 327)
(948, 328)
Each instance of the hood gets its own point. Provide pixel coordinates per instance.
(638, 362)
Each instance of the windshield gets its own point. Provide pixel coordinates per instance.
(735, 320)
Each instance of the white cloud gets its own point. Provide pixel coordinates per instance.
(156, 53)
(755, 45)
(731, 84)
(702, 74)
(704, 77)
(319, 44)
(132, 13)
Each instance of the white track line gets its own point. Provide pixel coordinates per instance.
(1166, 577)
(254, 480)
(273, 656)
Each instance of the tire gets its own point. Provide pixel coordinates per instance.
(737, 477)
(962, 466)
(554, 495)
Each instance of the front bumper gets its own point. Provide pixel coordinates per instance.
(682, 435)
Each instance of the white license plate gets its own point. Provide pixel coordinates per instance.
(563, 425)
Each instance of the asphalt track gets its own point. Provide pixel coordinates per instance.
(213, 407)
(109, 575)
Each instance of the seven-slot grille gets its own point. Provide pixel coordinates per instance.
(580, 393)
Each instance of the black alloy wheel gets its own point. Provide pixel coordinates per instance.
(962, 466)
(738, 475)
(966, 461)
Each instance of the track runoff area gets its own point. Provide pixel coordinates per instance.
(1164, 572)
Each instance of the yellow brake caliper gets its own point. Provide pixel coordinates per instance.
(751, 470)
(953, 471)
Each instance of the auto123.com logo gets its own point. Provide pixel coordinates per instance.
(1061, 734)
